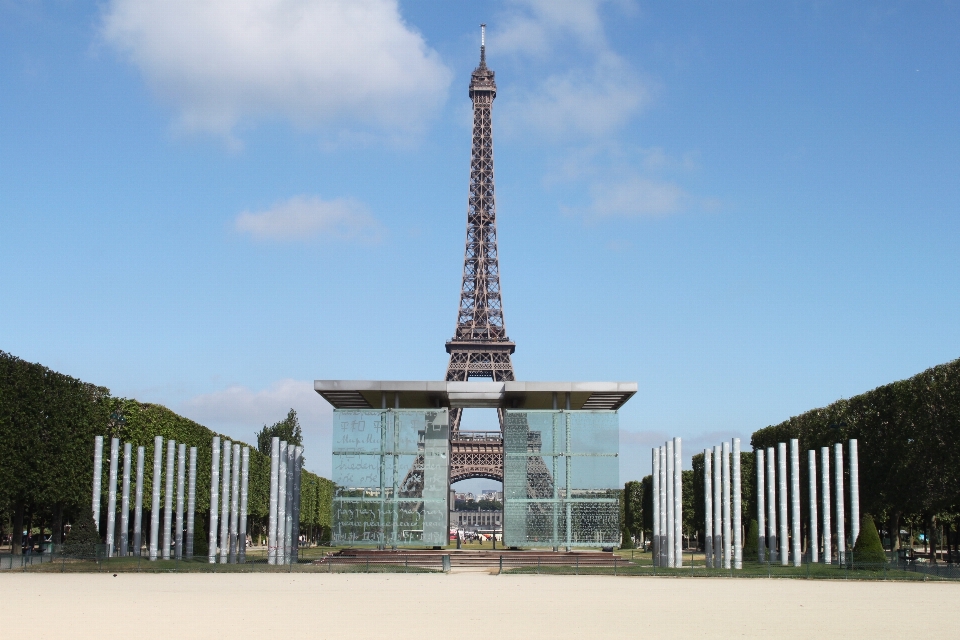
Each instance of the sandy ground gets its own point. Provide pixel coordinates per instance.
(466, 605)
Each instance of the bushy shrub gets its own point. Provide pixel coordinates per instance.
(868, 550)
(83, 538)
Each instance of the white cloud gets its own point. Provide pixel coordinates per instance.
(303, 218)
(313, 62)
(636, 196)
(532, 26)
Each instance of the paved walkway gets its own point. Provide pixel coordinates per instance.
(469, 605)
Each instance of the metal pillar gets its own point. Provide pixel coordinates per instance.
(671, 506)
(181, 473)
(244, 482)
(274, 489)
(281, 501)
(225, 502)
(854, 494)
(662, 496)
(234, 502)
(655, 501)
(112, 495)
(737, 506)
(782, 498)
(125, 502)
(155, 501)
(191, 499)
(168, 500)
(838, 481)
(97, 478)
(795, 500)
(761, 508)
(138, 505)
(214, 495)
(772, 544)
(825, 498)
(813, 539)
(725, 505)
(717, 507)
(288, 523)
(708, 507)
(298, 463)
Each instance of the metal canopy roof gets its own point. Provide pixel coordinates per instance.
(369, 394)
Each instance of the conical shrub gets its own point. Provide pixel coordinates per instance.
(83, 538)
(750, 544)
(868, 551)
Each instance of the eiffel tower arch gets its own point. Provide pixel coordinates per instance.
(480, 347)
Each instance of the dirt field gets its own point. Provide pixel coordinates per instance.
(466, 605)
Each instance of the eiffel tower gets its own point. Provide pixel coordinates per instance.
(480, 347)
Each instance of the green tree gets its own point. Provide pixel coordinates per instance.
(288, 430)
(750, 550)
(868, 550)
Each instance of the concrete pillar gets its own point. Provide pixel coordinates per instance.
(181, 477)
(288, 531)
(112, 495)
(813, 540)
(97, 478)
(708, 506)
(298, 452)
(671, 513)
(214, 496)
(838, 492)
(191, 500)
(761, 508)
(244, 485)
(782, 498)
(854, 494)
(677, 503)
(717, 507)
(773, 547)
(125, 502)
(795, 501)
(155, 502)
(654, 500)
(725, 505)
(274, 489)
(281, 501)
(168, 499)
(737, 505)
(138, 504)
(663, 506)
(234, 503)
(825, 499)
(225, 502)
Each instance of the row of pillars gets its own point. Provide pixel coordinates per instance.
(286, 462)
(774, 541)
(229, 488)
(722, 516)
(668, 504)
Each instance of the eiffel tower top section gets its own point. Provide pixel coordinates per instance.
(480, 346)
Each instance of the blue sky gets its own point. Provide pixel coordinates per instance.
(751, 209)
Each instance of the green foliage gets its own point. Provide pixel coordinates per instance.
(83, 537)
(868, 550)
(750, 544)
(633, 507)
(288, 430)
(482, 505)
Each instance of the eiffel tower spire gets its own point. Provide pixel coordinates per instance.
(480, 347)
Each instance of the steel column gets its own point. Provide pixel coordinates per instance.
(155, 503)
(737, 506)
(838, 481)
(281, 502)
(671, 506)
(783, 498)
(725, 506)
(274, 492)
(225, 502)
(814, 539)
(795, 500)
(663, 507)
(708, 506)
(214, 496)
(191, 500)
(854, 494)
(125, 502)
(298, 463)
(761, 508)
(825, 498)
(655, 501)
(97, 478)
(677, 503)
(288, 530)
(112, 496)
(772, 543)
(244, 482)
(717, 506)
(168, 500)
(181, 473)
(138, 505)
(234, 502)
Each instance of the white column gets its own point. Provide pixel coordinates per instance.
(813, 540)
(97, 478)
(782, 499)
(671, 514)
(795, 500)
(281, 501)
(761, 508)
(191, 500)
(854, 494)
(138, 504)
(288, 531)
(838, 481)
(155, 502)
(168, 499)
(274, 491)
(737, 506)
(662, 496)
(825, 498)
(234, 502)
(725, 505)
(655, 501)
(181, 473)
(125, 502)
(773, 547)
(297, 468)
(214, 496)
(708, 506)
(677, 503)
(112, 495)
(244, 485)
(225, 502)
(717, 506)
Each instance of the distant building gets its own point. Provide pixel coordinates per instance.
(465, 496)
(471, 520)
(492, 496)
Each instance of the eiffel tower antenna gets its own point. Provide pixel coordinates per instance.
(480, 347)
